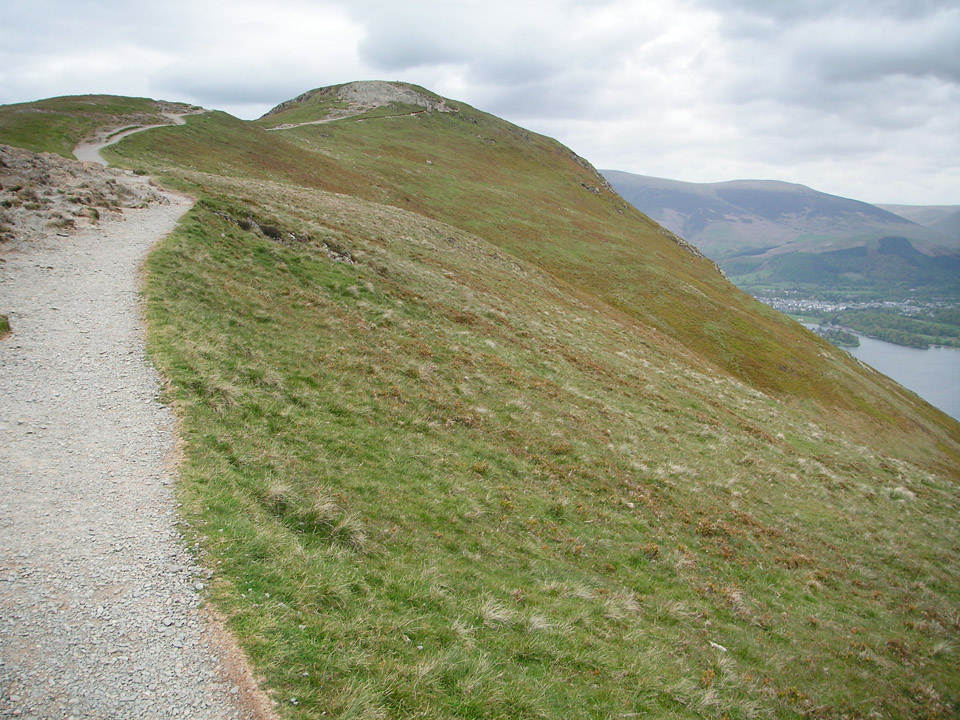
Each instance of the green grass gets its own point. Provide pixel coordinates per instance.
(525, 194)
(58, 124)
(217, 143)
(470, 440)
(435, 483)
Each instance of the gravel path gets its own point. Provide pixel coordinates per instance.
(100, 608)
(89, 150)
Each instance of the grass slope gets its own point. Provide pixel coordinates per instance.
(532, 198)
(58, 124)
(473, 439)
(435, 484)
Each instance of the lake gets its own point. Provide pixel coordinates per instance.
(933, 374)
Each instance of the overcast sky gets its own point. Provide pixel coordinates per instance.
(859, 98)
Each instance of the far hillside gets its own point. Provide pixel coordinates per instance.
(752, 217)
(943, 218)
(787, 243)
(56, 125)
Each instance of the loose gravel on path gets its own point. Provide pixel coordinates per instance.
(100, 603)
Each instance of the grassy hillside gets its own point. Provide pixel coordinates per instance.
(948, 226)
(58, 124)
(927, 215)
(434, 483)
(532, 198)
(472, 438)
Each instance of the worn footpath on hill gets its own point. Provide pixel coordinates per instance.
(100, 606)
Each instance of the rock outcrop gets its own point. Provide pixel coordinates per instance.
(368, 95)
(42, 192)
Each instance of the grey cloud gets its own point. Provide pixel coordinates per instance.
(515, 43)
(850, 40)
(735, 11)
(402, 48)
(404, 36)
(874, 72)
(220, 91)
(917, 48)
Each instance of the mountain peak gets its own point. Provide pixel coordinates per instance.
(375, 93)
(355, 98)
(764, 186)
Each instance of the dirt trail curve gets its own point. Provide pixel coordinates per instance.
(100, 607)
(343, 116)
(89, 150)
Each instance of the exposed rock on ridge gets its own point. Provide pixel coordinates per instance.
(375, 93)
(367, 95)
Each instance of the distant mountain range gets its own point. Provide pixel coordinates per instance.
(945, 219)
(767, 234)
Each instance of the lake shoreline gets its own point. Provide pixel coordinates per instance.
(933, 373)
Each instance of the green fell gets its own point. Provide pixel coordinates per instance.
(465, 436)
(58, 124)
(533, 198)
